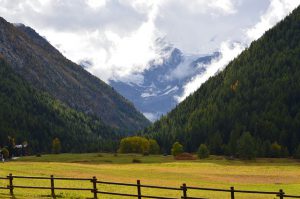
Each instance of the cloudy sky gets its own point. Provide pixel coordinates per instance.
(119, 37)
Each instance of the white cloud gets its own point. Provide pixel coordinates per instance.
(95, 4)
(119, 37)
(151, 116)
(276, 11)
(227, 6)
(129, 54)
(228, 52)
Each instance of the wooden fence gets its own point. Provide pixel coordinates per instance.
(96, 193)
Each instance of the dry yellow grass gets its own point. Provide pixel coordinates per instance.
(261, 175)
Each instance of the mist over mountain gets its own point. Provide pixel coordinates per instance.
(155, 91)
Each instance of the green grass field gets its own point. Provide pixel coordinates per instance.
(216, 172)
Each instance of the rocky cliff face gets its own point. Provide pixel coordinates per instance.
(45, 68)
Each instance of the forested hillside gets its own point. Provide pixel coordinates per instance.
(258, 92)
(46, 69)
(27, 114)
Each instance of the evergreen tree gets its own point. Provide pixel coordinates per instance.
(246, 146)
(297, 152)
(153, 147)
(203, 151)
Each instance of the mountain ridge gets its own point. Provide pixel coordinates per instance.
(45, 68)
(32, 116)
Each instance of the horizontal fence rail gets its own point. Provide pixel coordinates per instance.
(138, 194)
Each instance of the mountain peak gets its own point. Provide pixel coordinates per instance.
(163, 81)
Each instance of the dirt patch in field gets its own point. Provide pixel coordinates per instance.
(251, 179)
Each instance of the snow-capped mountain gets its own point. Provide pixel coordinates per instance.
(156, 94)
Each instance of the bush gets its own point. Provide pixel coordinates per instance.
(5, 153)
(134, 144)
(275, 150)
(185, 156)
(138, 144)
(177, 149)
(136, 161)
(203, 151)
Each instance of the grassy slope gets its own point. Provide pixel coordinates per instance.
(263, 174)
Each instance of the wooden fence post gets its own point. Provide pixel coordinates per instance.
(281, 194)
(184, 190)
(94, 181)
(138, 182)
(232, 192)
(11, 186)
(52, 186)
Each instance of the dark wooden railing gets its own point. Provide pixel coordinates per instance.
(96, 192)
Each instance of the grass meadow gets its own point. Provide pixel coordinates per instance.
(215, 172)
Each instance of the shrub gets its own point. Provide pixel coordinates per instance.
(5, 153)
(177, 149)
(136, 161)
(138, 144)
(134, 144)
(275, 150)
(203, 151)
(185, 156)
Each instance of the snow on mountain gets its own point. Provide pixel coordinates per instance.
(158, 86)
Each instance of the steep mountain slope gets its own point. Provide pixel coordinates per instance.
(39, 63)
(258, 92)
(33, 116)
(156, 94)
